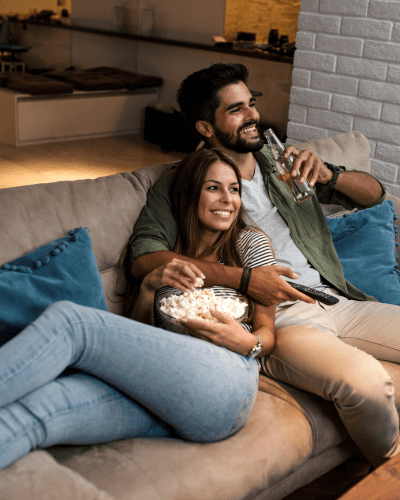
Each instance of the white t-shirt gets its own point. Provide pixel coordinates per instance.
(258, 205)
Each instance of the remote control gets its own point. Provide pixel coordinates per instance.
(329, 300)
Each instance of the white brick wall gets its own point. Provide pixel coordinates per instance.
(346, 77)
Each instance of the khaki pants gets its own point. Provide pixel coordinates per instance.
(332, 351)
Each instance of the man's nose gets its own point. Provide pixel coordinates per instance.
(252, 114)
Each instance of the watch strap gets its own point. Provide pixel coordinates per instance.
(335, 174)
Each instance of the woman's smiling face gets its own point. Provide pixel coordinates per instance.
(219, 201)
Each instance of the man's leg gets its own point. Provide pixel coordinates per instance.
(309, 355)
(371, 326)
(75, 409)
(205, 392)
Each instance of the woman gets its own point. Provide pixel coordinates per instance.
(136, 380)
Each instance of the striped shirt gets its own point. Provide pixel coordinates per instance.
(254, 250)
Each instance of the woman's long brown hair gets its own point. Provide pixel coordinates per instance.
(187, 183)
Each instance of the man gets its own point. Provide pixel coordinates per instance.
(313, 344)
(218, 105)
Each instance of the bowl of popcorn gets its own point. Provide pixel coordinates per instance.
(171, 305)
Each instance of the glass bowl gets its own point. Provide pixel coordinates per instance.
(168, 322)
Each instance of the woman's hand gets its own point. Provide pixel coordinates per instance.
(228, 333)
(177, 273)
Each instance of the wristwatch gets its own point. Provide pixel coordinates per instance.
(256, 349)
(335, 171)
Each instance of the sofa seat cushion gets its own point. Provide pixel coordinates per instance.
(37, 85)
(64, 269)
(256, 457)
(38, 476)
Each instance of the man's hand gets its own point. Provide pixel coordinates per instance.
(360, 187)
(267, 287)
(309, 166)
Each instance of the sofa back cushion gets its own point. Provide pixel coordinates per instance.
(32, 216)
(351, 149)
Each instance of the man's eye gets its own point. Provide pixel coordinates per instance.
(235, 110)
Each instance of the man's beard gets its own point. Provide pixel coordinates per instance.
(239, 143)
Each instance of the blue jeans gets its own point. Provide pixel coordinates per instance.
(131, 380)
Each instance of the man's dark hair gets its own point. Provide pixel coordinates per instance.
(198, 94)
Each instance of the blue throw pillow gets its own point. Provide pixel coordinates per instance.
(64, 269)
(365, 243)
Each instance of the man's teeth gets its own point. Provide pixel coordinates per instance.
(249, 130)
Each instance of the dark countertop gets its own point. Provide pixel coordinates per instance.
(253, 53)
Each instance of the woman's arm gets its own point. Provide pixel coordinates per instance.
(264, 326)
(230, 334)
(177, 273)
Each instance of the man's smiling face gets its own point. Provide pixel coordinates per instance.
(236, 120)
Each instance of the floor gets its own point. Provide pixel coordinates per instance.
(92, 158)
(80, 159)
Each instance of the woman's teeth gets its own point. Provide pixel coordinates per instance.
(220, 212)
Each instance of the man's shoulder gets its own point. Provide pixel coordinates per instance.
(163, 184)
(266, 157)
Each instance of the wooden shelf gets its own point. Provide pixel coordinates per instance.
(252, 53)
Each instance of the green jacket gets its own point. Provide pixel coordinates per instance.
(156, 229)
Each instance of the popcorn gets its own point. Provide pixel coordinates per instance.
(197, 305)
(198, 283)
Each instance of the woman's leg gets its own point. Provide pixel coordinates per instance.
(75, 409)
(205, 392)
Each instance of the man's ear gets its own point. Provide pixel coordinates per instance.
(204, 128)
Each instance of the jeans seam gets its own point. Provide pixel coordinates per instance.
(31, 360)
(244, 404)
(58, 413)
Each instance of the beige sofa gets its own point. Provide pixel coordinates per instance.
(291, 437)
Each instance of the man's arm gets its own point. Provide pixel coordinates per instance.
(266, 286)
(153, 240)
(361, 188)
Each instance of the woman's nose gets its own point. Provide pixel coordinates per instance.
(226, 197)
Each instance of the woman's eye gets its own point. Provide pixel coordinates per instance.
(235, 190)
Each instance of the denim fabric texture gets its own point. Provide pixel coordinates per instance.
(131, 380)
